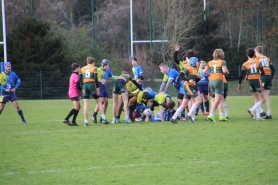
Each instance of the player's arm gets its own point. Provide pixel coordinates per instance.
(137, 85)
(272, 70)
(182, 76)
(241, 76)
(161, 112)
(18, 82)
(80, 79)
(96, 80)
(169, 82)
(206, 71)
(177, 48)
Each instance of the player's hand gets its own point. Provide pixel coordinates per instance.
(239, 88)
(177, 47)
(8, 90)
(97, 92)
(13, 90)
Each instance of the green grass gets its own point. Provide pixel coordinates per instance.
(46, 151)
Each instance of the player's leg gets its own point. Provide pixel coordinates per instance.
(19, 111)
(182, 106)
(217, 87)
(197, 101)
(94, 115)
(72, 111)
(2, 106)
(119, 109)
(101, 110)
(126, 109)
(86, 94)
(206, 99)
(77, 107)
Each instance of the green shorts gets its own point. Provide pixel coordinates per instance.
(89, 89)
(217, 86)
(190, 92)
(255, 85)
(119, 87)
(266, 82)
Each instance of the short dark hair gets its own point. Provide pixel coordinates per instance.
(190, 53)
(250, 52)
(74, 66)
(171, 104)
(140, 77)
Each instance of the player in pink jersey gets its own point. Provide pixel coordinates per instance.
(74, 88)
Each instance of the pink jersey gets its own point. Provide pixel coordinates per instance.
(73, 91)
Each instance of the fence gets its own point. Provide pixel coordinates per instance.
(54, 85)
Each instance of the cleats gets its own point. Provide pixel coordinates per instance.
(222, 118)
(138, 119)
(117, 120)
(251, 114)
(128, 120)
(211, 118)
(259, 119)
(67, 122)
(113, 122)
(262, 114)
(182, 118)
(174, 121)
(86, 125)
(74, 124)
(190, 119)
(104, 121)
(268, 117)
(227, 117)
(94, 118)
(24, 122)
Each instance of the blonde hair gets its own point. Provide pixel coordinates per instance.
(164, 65)
(125, 73)
(218, 54)
(259, 49)
(90, 60)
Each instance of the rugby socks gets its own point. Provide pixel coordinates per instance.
(225, 107)
(258, 104)
(202, 106)
(207, 106)
(20, 113)
(74, 116)
(192, 110)
(72, 112)
(103, 117)
(178, 111)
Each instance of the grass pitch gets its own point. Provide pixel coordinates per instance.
(46, 151)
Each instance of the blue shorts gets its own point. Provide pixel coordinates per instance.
(7, 96)
(103, 93)
(203, 89)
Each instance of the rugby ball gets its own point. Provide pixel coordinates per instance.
(147, 112)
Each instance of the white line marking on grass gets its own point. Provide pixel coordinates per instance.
(84, 169)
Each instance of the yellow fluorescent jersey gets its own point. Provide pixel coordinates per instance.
(100, 73)
(88, 73)
(181, 64)
(131, 87)
(140, 97)
(165, 78)
(160, 98)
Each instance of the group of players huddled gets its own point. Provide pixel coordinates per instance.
(194, 81)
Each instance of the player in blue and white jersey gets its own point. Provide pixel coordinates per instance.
(103, 74)
(9, 83)
(203, 88)
(170, 77)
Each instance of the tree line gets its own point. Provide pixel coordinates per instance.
(50, 34)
